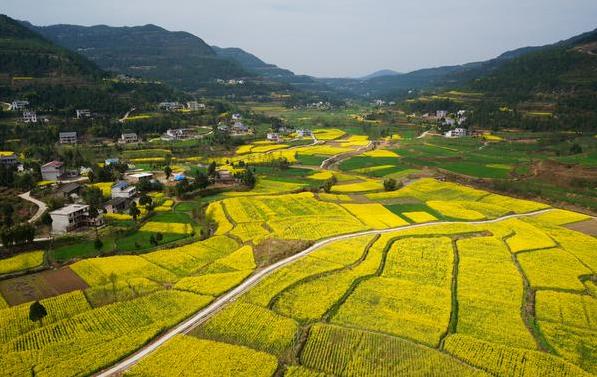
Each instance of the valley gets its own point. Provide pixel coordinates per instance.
(172, 208)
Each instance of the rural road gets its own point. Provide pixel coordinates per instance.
(203, 314)
(41, 206)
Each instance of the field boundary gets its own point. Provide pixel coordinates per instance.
(200, 316)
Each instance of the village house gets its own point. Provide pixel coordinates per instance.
(223, 127)
(72, 217)
(239, 128)
(117, 205)
(8, 158)
(457, 132)
(439, 114)
(169, 106)
(29, 117)
(123, 189)
(83, 113)
(224, 177)
(179, 133)
(67, 137)
(236, 117)
(19, 105)
(195, 106)
(139, 177)
(52, 171)
(69, 190)
(303, 132)
(273, 136)
(128, 138)
(110, 161)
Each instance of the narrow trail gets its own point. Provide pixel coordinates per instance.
(203, 314)
(41, 206)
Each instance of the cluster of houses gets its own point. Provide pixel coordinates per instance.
(235, 126)
(277, 136)
(231, 82)
(453, 121)
(179, 134)
(177, 106)
(76, 216)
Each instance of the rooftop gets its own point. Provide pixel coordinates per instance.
(53, 164)
(71, 208)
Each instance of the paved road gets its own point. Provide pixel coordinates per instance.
(41, 206)
(203, 314)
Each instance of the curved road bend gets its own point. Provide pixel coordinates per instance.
(41, 206)
(219, 303)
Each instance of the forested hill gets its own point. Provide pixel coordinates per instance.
(177, 58)
(26, 55)
(252, 63)
(459, 75)
(56, 79)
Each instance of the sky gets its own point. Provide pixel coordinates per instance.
(338, 38)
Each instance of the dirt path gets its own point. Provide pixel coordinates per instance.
(203, 314)
(41, 206)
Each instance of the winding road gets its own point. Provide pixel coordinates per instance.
(41, 206)
(203, 314)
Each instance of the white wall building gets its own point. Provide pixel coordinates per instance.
(128, 138)
(52, 171)
(195, 106)
(67, 137)
(8, 158)
(18, 105)
(123, 190)
(29, 117)
(457, 132)
(72, 217)
(83, 113)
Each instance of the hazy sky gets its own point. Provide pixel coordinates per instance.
(339, 37)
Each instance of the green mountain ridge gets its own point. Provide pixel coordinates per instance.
(179, 59)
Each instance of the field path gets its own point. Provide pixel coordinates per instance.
(41, 206)
(203, 314)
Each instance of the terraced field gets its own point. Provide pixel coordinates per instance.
(457, 282)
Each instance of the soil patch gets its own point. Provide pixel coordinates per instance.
(272, 250)
(587, 227)
(40, 285)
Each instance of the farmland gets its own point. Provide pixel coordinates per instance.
(429, 277)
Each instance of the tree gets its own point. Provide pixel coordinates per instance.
(98, 244)
(168, 171)
(152, 240)
(46, 219)
(390, 184)
(327, 185)
(211, 169)
(7, 212)
(134, 211)
(248, 178)
(575, 149)
(37, 312)
(201, 180)
(159, 237)
(144, 200)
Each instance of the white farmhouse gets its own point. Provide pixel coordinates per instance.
(29, 117)
(72, 217)
(83, 113)
(52, 171)
(123, 190)
(67, 137)
(457, 132)
(19, 105)
(127, 138)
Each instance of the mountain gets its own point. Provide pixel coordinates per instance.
(151, 52)
(252, 63)
(438, 77)
(53, 78)
(380, 73)
(27, 56)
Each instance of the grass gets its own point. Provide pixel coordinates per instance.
(314, 160)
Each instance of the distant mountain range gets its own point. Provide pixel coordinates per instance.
(186, 62)
(380, 73)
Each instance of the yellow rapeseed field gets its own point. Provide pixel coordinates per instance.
(162, 227)
(419, 217)
(21, 262)
(375, 215)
